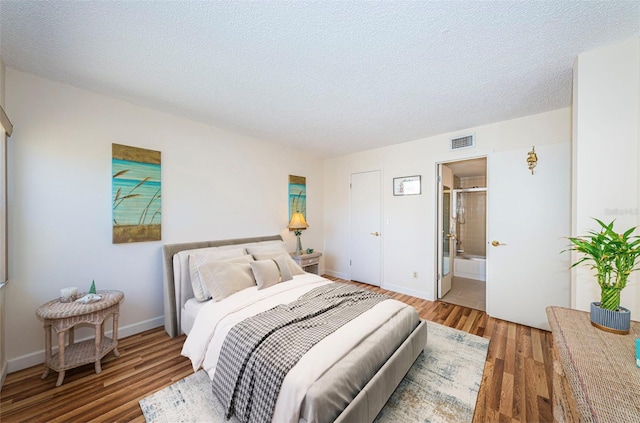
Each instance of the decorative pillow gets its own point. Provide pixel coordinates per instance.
(283, 268)
(223, 278)
(270, 272)
(200, 292)
(292, 265)
(266, 273)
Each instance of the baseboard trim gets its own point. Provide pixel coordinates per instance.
(407, 291)
(37, 357)
(390, 287)
(336, 274)
(3, 375)
(135, 328)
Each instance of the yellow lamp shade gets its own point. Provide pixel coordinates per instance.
(298, 222)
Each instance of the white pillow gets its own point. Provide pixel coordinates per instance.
(267, 247)
(195, 260)
(270, 272)
(182, 273)
(283, 267)
(293, 266)
(223, 278)
(266, 273)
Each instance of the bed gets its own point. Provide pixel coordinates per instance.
(347, 377)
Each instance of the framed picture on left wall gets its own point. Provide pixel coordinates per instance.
(136, 194)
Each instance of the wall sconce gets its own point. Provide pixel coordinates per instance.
(532, 159)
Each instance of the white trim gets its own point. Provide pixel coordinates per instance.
(37, 357)
(463, 157)
(336, 274)
(5, 123)
(3, 375)
(408, 291)
(395, 288)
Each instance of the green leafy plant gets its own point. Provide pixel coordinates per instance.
(612, 255)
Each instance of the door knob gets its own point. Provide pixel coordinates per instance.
(496, 243)
(376, 233)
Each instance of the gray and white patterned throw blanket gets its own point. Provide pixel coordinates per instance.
(259, 351)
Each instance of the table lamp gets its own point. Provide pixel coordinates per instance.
(297, 224)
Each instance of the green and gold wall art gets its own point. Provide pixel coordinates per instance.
(297, 195)
(136, 194)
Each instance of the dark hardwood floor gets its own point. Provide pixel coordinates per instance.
(516, 385)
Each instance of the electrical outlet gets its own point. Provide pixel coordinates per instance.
(415, 275)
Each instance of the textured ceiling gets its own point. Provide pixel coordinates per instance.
(329, 77)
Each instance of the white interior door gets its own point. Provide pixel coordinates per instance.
(529, 218)
(365, 218)
(445, 234)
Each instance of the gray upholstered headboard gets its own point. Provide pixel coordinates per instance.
(168, 251)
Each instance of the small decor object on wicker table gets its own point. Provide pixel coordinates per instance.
(63, 317)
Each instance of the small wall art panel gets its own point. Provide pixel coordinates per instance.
(136, 194)
(407, 185)
(297, 195)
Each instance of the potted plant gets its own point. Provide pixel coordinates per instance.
(613, 256)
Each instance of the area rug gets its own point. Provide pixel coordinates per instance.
(441, 386)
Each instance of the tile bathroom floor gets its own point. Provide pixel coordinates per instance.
(467, 293)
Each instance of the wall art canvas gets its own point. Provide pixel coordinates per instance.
(407, 185)
(297, 195)
(136, 194)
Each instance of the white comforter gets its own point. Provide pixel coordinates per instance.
(216, 319)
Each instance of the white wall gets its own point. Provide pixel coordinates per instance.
(408, 230)
(606, 135)
(215, 185)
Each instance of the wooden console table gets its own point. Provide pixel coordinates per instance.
(595, 377)
(63, 317)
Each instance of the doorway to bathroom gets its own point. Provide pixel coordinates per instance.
(462, 232)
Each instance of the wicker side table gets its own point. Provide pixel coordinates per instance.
(63, 317)
(595, 378)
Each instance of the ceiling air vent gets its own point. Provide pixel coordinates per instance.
(466, 141)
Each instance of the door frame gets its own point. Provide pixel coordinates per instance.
(435, 221)
(349, 228)
(441, 278)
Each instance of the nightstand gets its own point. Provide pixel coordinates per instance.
(63, 317)
(308, 262)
